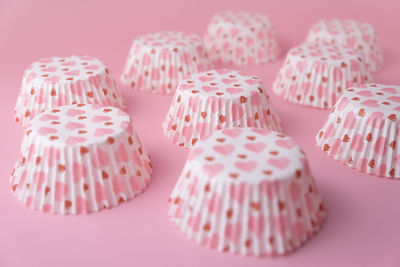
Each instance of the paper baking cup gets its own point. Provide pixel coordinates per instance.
(247, 191)
(361, 36)
(363, 130)
(241, 38)
(217, 99)
(158, 61)
(78, 159)
(316, 75)
(57, 81)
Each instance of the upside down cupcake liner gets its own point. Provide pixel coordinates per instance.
(158, 61)
(360, 36)
(316, 75)
(216, 99)
(363, 130)
(241, 38)
(58, 81)
(78, 159)
(247, 191)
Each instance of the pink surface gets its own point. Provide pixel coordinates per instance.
(362, 227)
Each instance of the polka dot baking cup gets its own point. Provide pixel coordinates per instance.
(217, 99)
(247, 191)
(241, 38)
(158, 61)
(58, 81)
(361, 36)
(363, 131)
(315, 75)
(78, 159)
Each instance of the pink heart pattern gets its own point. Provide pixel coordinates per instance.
(146, 72)
(240, 150)
(234, 91)
(78, 159)
(45, 84)
(361, 133)
(255, 147)
(280, 163)
(329, 66)
(216, 99)
(212, 169)
(237, 183)
(247, 166)
(224, 149)
(350, 33)
(239, 46)
(74, 125)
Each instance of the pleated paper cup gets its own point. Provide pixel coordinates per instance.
(360, 36)
(58, 81)
(78, 159)
(241, 38)
(247, 191)
(316, 75)
(216, 99)
(363, 130)
(158, 61)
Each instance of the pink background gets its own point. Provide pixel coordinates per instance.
(362, 228)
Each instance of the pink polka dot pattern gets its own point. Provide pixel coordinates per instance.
(58, 81)
(360, 36)
(316, 75)
(241, 38)
(363, 131)
(247, 191)
(215, 99)
(78, 159)
(158, 61)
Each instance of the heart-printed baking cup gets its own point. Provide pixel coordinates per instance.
(316, 74)
(216, 99)
(78, 159)
(363, 130)
(58, 81)
(158, 61)
(360, 36)
(241, 38)
(248, 191)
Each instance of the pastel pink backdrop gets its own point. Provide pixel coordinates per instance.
(362, 228)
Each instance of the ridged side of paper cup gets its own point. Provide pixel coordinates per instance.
(363, 130)
(58, 81)
(235, 210)
(260, 226)
(196, 111)
(316, 75)
(158, 61)
(241, 38)
(360, 36)
(60, 172)
(185, 127)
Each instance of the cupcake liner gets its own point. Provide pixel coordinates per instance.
(362, 131)
(316, 75)
(247, 191)
(58, 81)
(241, 38)
(158, 61)
(78, 159)
(360, 36)
(216, 99)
